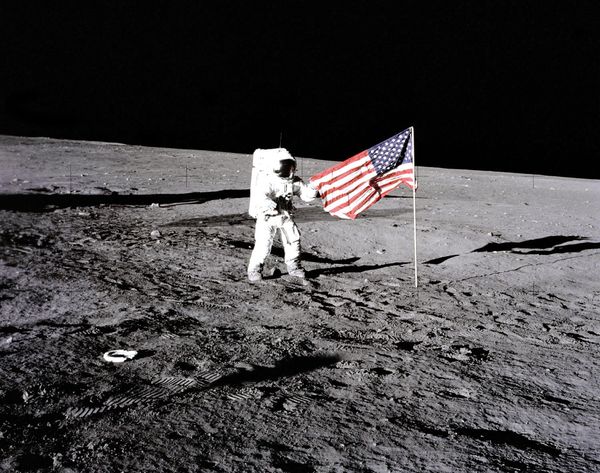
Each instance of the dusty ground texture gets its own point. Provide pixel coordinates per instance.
(490, 365)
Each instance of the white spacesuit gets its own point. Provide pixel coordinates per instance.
(273, 186)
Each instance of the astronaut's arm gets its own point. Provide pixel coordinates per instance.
(306, 192)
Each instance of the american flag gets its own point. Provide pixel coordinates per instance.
(352, 186)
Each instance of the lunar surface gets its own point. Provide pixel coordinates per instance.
(131, 340)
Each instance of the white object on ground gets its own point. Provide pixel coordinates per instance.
(119, 356)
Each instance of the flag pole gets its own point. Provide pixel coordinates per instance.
(412, 142)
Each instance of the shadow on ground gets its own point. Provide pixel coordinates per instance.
(282, 369)
(313, 213)
(549, 245)
(544, 242)
(40, 203)
(48, 202)
(351, 269)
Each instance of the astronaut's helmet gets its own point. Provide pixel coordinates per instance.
(286, 168)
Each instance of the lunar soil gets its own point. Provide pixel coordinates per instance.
(489, 365)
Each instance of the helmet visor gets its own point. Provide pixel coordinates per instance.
(286, 168)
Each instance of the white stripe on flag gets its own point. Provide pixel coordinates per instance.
(331, 177)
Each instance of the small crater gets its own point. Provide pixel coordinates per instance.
(185, 365)
(508, 437)
(406, 345)
(34, 462)
(558, 400)
(577, 336)
(379, 371)
(290, 466)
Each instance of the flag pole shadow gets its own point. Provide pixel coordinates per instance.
(351, 269)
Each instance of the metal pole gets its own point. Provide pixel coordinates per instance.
(412, 142)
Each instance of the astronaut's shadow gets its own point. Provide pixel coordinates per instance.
(313, 273)
(349, 267)
(277, 251)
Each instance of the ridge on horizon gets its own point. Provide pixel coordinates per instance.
(581, 175)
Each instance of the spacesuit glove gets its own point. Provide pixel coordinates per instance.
(313, 189)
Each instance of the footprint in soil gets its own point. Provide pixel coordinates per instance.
(244, 394)
(94, 330)
(142, 393)
(296, 402)
(465, 353)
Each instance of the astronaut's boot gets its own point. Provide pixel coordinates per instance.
(295, 269)
(255, 274)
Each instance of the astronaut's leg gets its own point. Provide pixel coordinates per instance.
(264, 233)
(290, 237)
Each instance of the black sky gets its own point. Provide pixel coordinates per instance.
(510, 85)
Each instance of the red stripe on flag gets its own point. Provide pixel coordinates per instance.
(350, 204)
(336, 187)
(348, 192)
(332, 170)
(352, 186)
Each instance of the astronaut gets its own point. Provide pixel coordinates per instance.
(274, 184)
